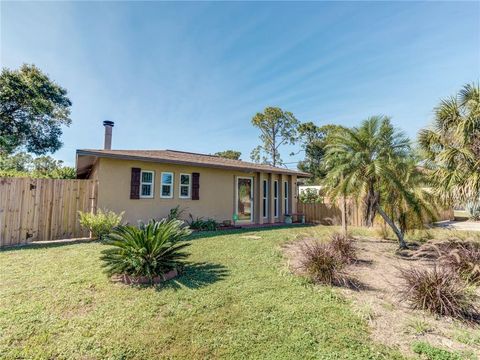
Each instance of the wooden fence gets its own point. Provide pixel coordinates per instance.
(331, 213)
(43, 209)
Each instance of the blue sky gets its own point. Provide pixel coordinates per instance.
(190, 76)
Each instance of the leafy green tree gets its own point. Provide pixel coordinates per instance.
(313, 142)
(277, 128)
(33, 109)
(372, 162)
(310, 196)
(451, 147)
(22, 164)
(229, 154)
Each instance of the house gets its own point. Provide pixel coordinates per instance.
(146, 184)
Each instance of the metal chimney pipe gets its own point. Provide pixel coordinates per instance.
(108, 134)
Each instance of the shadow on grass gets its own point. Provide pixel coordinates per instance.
(209, 234)
(49, 244)
(196, 275)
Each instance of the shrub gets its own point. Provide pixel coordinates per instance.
(464, 259)
(175, 213)
(323, 265)
(343, 246)
(149, 250)
(310, 196)
(202, 224)
(438, 291)
(101, 223)
(473, 210)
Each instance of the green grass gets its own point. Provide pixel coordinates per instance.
(430, 352)
(235, 300)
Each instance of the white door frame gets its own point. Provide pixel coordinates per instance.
(251, 198)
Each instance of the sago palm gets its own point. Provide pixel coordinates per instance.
(371, 162)
(452, 147)
(149, 250)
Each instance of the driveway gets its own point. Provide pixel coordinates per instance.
(460, 225)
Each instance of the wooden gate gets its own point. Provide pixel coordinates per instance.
(43, 209)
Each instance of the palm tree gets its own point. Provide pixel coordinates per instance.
(374, 162)
(452, 147)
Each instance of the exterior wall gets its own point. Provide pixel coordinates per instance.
(217, 191)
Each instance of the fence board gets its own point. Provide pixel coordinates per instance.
(43, 209)
(329, 213)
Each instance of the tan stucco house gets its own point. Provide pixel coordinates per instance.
(146, 184)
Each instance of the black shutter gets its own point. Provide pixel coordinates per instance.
(195, 186)
(135, 184)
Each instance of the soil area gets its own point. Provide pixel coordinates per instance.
(392, 322)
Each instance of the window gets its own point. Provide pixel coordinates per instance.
(265, 198)
(285, 187)
(166, 185)
(275, 198)
(146, 184)
(185, 186)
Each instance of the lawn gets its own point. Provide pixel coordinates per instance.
(236, 299)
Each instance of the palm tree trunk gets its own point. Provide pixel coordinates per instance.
(401, 240)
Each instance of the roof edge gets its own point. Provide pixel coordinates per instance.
(81, 152)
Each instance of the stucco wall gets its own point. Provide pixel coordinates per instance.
(217, 191)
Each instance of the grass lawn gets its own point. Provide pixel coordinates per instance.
(235, 300)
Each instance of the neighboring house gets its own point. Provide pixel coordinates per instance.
(146, 184)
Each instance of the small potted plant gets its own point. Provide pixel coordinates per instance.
(288, 219)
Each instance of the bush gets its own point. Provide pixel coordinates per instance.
(343, 246)
(473, 210)
(464, 259)
(149, 250)
(202, 224)
(323, 265)
(438, 291)
(310, 196)
(175, 213)
(101, 223)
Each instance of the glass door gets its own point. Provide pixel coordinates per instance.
(245, 199)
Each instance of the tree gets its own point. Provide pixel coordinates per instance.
(229, 154)
(32, 110)
(313, 142)
(372, 162)
(44, 165)
(451, 147)
(22, 164)
(277, 128)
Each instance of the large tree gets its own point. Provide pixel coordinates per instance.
(277, 128)
(451, 147)
(33, 109)
(22, 164)
(229, 154)
(373, 162)
(313, 140)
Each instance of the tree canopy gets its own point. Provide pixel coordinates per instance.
(374, 162)
(277, 128)
(229, 154)
(22, 164)
(33, 110)
(313, 140)
(451, 147)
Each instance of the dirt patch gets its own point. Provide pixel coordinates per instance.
(392, 322)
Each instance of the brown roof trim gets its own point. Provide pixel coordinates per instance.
(243, 166)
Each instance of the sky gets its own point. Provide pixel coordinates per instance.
(190, 76)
